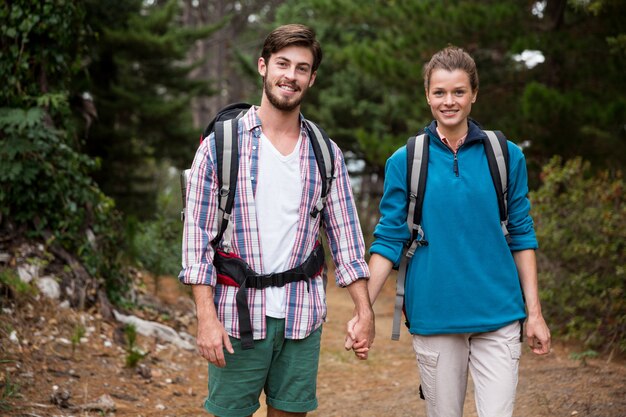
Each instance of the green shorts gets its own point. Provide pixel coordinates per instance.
(285, 369)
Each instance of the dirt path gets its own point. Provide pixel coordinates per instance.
(42, 364)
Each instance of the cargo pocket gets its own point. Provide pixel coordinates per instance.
(427, 363)
(515, 349)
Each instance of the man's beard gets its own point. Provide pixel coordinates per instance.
(281, 104)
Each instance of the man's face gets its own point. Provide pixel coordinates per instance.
(287, 76)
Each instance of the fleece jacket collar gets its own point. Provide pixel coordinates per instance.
(474, 132)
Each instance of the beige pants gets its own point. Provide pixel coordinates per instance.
(491, 357)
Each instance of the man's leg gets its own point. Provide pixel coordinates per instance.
(219, 416)
(292, 380)
(494, 364)
(272, 412)
(442, 361)
(234, 390)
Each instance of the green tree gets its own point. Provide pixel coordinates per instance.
(370, 90)
(139, 79)
(574, 103)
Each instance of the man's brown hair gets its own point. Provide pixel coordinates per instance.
(292, 35)
(452, 58)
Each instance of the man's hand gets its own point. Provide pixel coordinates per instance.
(212, 337)
(211, 340)
(538, 335)
(360, 333)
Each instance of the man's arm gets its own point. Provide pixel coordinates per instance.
(211, 337)
(364, 329)
(345, 240)
(537, 330)
(380, 268)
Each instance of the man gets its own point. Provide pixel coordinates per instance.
(277, 189)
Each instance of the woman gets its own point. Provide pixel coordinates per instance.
(462, 293)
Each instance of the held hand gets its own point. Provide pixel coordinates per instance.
(350, 336)
(538, 335)
(211, 340)
(360, 333)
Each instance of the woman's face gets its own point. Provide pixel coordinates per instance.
(450, 97)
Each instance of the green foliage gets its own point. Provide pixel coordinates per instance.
(574, 103)
(10, 283)
(133, 353)
(45, 186)
(44, 177)
(77, 334)
(45, 183)
(41, 43)
(583, 356)
(579, 221)
(156, 243)
(8, 390)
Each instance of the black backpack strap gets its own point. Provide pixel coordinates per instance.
(417, 171)
(227, 153)
(497, 153)
(325, 161)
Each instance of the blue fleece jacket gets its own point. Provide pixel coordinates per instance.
(465, 280)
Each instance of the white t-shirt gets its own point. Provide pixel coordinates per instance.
(278, 197)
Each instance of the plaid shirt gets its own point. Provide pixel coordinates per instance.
(306, 308)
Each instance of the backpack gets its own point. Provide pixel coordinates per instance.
(225, 125)
(417, 170)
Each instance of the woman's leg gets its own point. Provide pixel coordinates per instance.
(442, 361)
(494, 363)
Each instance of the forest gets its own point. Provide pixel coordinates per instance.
(103, 102)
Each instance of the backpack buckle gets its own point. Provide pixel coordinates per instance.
(420, 237)
(411, 250)
(419, 241)
(317, 209)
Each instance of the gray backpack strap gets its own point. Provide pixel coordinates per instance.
(417, 169)
(497, 153)
(325, 162)
(227, 146)
(184, 177)
(225, 127)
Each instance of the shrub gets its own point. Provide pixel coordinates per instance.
(157, 245)
(45, 188)
(580, 219)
